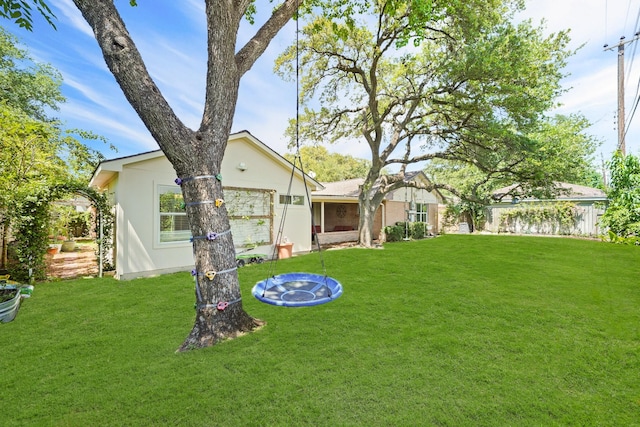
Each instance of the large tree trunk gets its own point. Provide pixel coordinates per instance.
(369, 202)
(365, 227)
(219, 312)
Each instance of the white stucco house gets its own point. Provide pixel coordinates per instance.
(152, 233)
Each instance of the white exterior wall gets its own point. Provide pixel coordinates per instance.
(138, 250)
(262, 172)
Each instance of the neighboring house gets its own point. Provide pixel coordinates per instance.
(336, 213)
(528, 215)
(151, 229)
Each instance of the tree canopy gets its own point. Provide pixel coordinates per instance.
(563, 151)
(455, 81)
(36, 155)
(24, 84)
(622, 216)
(330, 167)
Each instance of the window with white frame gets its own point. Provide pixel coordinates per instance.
(174, 225)
(286, 199)
(422, 212)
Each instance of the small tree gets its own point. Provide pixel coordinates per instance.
(36, 155)
(622, 216)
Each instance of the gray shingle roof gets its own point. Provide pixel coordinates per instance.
(569, 191)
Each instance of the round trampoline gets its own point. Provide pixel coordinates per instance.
(297, 290)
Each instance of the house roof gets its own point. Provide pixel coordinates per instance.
(346, 188)
(107, 169)
(567, 192)
(350, 188)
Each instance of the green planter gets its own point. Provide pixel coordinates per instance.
(68, 246)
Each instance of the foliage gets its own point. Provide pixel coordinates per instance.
(543, 218)
(66, 221)
(32, 224)
(395, 233)
(427, 331)
(463, 210)
(330, 167)
(622, 215)
(624, 240)
(19, 11)
(37, 158)
(31, 219)
(403, 230)
(26, 85)
(561, 151)
(472, 90)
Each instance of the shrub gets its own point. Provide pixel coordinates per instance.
(395, 233)
(418, 230)
(398, 232)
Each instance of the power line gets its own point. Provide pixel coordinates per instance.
(636, 97)
(627, 15)
(633, 52)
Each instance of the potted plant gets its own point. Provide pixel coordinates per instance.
(9, 300)
(285, 248)
(66, 219)
(55, 241)
(55, 234)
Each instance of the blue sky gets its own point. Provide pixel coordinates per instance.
(171, 36)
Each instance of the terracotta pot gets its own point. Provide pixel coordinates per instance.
(285, 250)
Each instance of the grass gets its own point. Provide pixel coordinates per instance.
(453, 331)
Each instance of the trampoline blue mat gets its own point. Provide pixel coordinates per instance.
(297, 290)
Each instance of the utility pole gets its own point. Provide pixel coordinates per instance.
(621, 127)
(604, 172)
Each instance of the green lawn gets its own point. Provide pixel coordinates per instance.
(454, 331)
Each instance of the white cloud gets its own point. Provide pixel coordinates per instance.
(125, 131)
(73, 15)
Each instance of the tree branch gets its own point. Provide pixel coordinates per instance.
(126, 64)
(250, 52)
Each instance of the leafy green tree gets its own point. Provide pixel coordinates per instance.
(622, 216)
(23, 166)
(24, 84)
(456, 81)
(36, 155)
(330, 167)
(562, 151)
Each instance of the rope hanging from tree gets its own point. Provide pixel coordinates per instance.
(297, 289)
